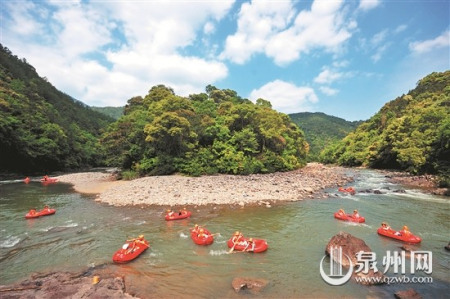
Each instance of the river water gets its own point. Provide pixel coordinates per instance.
(85, 233)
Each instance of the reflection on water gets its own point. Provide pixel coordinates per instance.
(84, 233)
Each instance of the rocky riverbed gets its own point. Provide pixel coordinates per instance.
(177, 190)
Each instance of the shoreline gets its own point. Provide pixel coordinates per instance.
(176, 190)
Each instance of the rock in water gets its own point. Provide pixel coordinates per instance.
(408, 294)
(255, 285)
(350, 247)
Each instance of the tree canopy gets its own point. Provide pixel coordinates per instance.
(41, 128)
(212, 132)
(410, 133)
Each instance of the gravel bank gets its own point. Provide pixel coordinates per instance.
(176, 190)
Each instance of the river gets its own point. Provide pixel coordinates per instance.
(86, 233)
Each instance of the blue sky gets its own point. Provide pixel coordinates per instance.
(343, 58)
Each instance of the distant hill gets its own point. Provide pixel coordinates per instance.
(410, 133)
(113, 112)
(41, 128)
(321, 130)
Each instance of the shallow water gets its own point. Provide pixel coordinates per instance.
(84, 233)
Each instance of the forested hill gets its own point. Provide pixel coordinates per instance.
(114, 112)
(41, 128)
(212, 132)
(322, 130)
(411, 133)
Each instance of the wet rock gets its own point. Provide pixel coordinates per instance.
(448, 246)
(407, 294)
(399, 191)
(255, 285)
(377, 192)
(350, 247)
(66, 285)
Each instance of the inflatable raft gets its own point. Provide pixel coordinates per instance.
(349, 190)
(49, 180)
(177, 216)
(390, 233)
(260, 245)
(208, 240)
(349, 217)
(130, 251)
(44, 212)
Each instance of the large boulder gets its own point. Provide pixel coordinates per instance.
(350, 247)
(407, 294)
(255, 285)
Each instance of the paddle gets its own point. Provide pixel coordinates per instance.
(234, 245)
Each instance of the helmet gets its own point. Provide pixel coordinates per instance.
(141, 237)
(405, 227)
(383, 223)
(250, 240)
(236, 233)
(355, 211)
(196, 225)
(168, 211)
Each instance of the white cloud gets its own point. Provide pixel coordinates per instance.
(286, 97)
(104, 52)
(328, 91)
(328, 76)
(429, 45)
(280, 33)
(366, 5)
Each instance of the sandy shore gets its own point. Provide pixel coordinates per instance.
(176, 190)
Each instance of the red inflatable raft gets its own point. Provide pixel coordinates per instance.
(260, 245)
(49, 180)
(349, 217)
(128, 252)
(208, 240)
(177, 216)
(37, 214)
(349, 190)
(390, 233)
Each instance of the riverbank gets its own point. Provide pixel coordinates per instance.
(427, 183)
(177, 190)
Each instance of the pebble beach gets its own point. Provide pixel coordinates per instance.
(178, 190)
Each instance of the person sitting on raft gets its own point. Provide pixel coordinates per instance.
(385, 226)
(236, 237)
(45, 177)
(195, 229)
(405, 231)
(182, 212)
(355, 214)
(134, 242)
(32, 211)
(46, 208)
(341, 212)
(250, 245)
(202, 234)
(170, 212)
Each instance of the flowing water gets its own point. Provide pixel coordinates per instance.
(85, 233)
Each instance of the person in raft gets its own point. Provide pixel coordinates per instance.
(202, 233)
(355, 214)
(182, 212)
(341, 212)
(236, 237)
(250, 245)
(32, 211)
(170, 213)
(405, 231)
(134, 242)
(46, 208)
(196, 229)
(385, 226)
(45, 177)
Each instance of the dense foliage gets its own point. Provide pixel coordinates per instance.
(41, 128)
(322, 130)
(206, 133)
(411, 133)
(113, 112)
